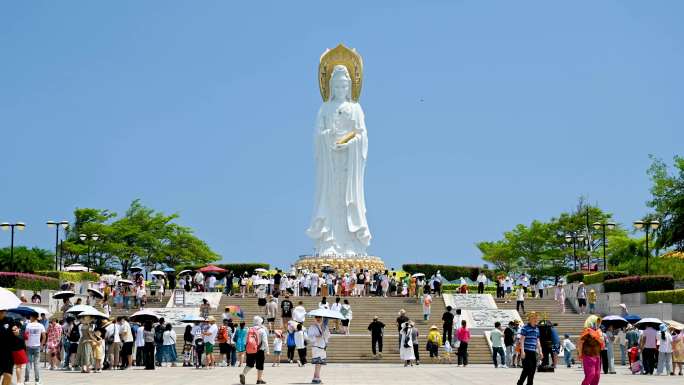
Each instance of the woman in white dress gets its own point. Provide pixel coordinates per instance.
(406, 348)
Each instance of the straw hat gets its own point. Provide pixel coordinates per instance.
(434, 327)
(211, 319)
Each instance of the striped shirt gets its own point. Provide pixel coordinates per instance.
(531, 334)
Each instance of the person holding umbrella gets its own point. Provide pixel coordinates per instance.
(318, 335)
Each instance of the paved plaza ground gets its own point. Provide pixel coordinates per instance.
(385, 374)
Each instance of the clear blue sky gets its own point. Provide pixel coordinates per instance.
(481, 115)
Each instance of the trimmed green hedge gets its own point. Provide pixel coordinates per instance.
(667, 296)
(236, 268)
(28, 281)
(600, 277)
(449, 272)
(638, 284)
(72, 276)
(574, 277)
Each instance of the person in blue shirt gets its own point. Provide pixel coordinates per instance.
(529, 342)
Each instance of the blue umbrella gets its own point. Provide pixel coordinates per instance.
(169, 270)
(23, 311)
(632, 318)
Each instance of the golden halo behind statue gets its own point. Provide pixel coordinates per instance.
(346, 57)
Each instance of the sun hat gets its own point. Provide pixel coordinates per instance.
(211, 318)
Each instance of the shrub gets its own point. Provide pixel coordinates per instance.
(668, 296)
(71, 276)
(600, 277)
(637, 284)
(28, 281)
(449, 272)
(575, 277)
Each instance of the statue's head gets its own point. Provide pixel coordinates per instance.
(340, 84)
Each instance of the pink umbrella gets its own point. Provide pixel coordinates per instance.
(212, 269)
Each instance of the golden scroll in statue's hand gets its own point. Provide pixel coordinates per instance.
(347, 138)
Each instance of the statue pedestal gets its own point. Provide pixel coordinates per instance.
(340, 264)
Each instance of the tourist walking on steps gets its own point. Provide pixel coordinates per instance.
(257, 349)
(346, 312)
(582, 298)
(414, 340)
(300, 344)
(406, 348)
(376, 328)
(400, 322)
(434, 339)
(529, 342)
(520, 300)
(427, 306)
(318, 334)
(463, 336)
(649, 349)
(149, 345)
(559, 296)
(15, 348)
(496, 337)
(448, 324)
(240, 339)
(509, 341)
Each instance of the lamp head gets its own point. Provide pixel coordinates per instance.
(82, 237)
(638, 225)
(655, 225)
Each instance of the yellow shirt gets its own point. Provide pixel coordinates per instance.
(435, 337)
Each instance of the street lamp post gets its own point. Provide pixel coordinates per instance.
(91, 237)
(574, 238)
(56, 225)
(10, 226)
(646, 226)
(603, 227)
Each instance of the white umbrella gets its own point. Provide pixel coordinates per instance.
(135, 268)
(157, 272)
(262, 282)
(92, 313)
(261, 270)
(80, 309)
(326, 313)
(645, 322)
(125, 281)
(145, 315)
(418, 275)
(63, 294)
(183, 272)
(8, 300)
(95, 293)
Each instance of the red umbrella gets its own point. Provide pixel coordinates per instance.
(212, 269)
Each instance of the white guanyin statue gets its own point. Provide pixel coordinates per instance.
(338, 225)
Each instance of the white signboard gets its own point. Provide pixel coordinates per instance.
(194, 299)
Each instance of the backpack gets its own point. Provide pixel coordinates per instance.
(223, 334)
(344, 311)
(159, 335)
(253, 340)
(74, 334)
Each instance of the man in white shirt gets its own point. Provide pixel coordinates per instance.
(113, 340)
(299, 313)
(211, 283)
(210, 340)
(36, 339)
(481, 282)
(257, 359)
(337, 306)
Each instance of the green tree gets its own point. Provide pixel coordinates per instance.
(26, 260)
(668, 202)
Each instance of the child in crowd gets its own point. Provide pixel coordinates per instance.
(98, 350)
(568, 348)
(277, 347)
(446, 353)
(300, 344)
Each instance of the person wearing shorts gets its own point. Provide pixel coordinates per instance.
(210, 340)
(257, 359)
(319, 335)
